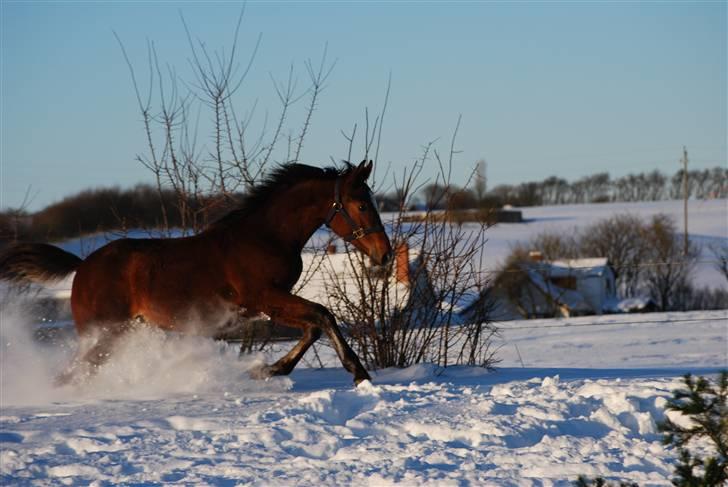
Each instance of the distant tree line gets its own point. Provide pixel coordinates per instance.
(106, 209)
(597, 188)
(148, 206)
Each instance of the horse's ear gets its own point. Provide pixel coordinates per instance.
(363, 170)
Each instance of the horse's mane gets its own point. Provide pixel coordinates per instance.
(282, 177)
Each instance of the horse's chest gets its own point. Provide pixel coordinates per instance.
(249, 283)
(283, 279)
(291, 275)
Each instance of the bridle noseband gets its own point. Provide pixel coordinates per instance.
(357, 231)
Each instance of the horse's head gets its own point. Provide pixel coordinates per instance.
(354, 216)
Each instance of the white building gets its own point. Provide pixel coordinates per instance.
(566, 287)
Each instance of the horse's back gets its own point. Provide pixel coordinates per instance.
(186, 284)
(128, 278)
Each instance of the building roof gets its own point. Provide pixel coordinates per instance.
(595, 266)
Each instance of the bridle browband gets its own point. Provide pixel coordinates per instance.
(357, 231)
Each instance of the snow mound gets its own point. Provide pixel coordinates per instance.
(513, 432)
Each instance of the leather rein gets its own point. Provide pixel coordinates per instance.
(357, 231)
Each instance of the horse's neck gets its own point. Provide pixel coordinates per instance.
(293, 216)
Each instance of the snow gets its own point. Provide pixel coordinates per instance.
(591, 266)
(572, 397)
(682, 340)
(576, 396)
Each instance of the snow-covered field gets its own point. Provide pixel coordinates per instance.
(570, 397)
(577, 396)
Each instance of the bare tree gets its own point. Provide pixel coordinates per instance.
(554, 246)
(435, 196)
(555, 191)
(601, 184)
(720, 253)
(656, 182)
(621, 239)
(15, 222)
(480, 186)
(668, 268)
(718, 182)
(206, 173)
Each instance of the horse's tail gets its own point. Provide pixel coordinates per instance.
(36, 262)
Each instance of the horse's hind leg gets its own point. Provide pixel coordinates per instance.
(92, 353)
(286, 364)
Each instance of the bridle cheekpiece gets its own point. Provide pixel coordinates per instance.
(357, 231)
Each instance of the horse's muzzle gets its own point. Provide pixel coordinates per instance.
(386, 258)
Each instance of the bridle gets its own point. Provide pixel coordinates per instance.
(357, 231)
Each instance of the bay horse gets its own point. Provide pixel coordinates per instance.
(242, 266)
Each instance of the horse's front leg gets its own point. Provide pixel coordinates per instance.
(314, 319)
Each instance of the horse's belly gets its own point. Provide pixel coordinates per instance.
(200, 316)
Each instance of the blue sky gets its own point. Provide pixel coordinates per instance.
(565, 89)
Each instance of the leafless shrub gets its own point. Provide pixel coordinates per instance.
(431, 307)
(206, 176)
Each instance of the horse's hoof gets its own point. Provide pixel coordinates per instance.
(358, 379)
(262, 372)
(74, 375)
(63, 379)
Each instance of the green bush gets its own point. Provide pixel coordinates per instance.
(705, 404)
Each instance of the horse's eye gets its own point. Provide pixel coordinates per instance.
(363, 207)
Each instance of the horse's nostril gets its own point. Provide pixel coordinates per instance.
(386, 258)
